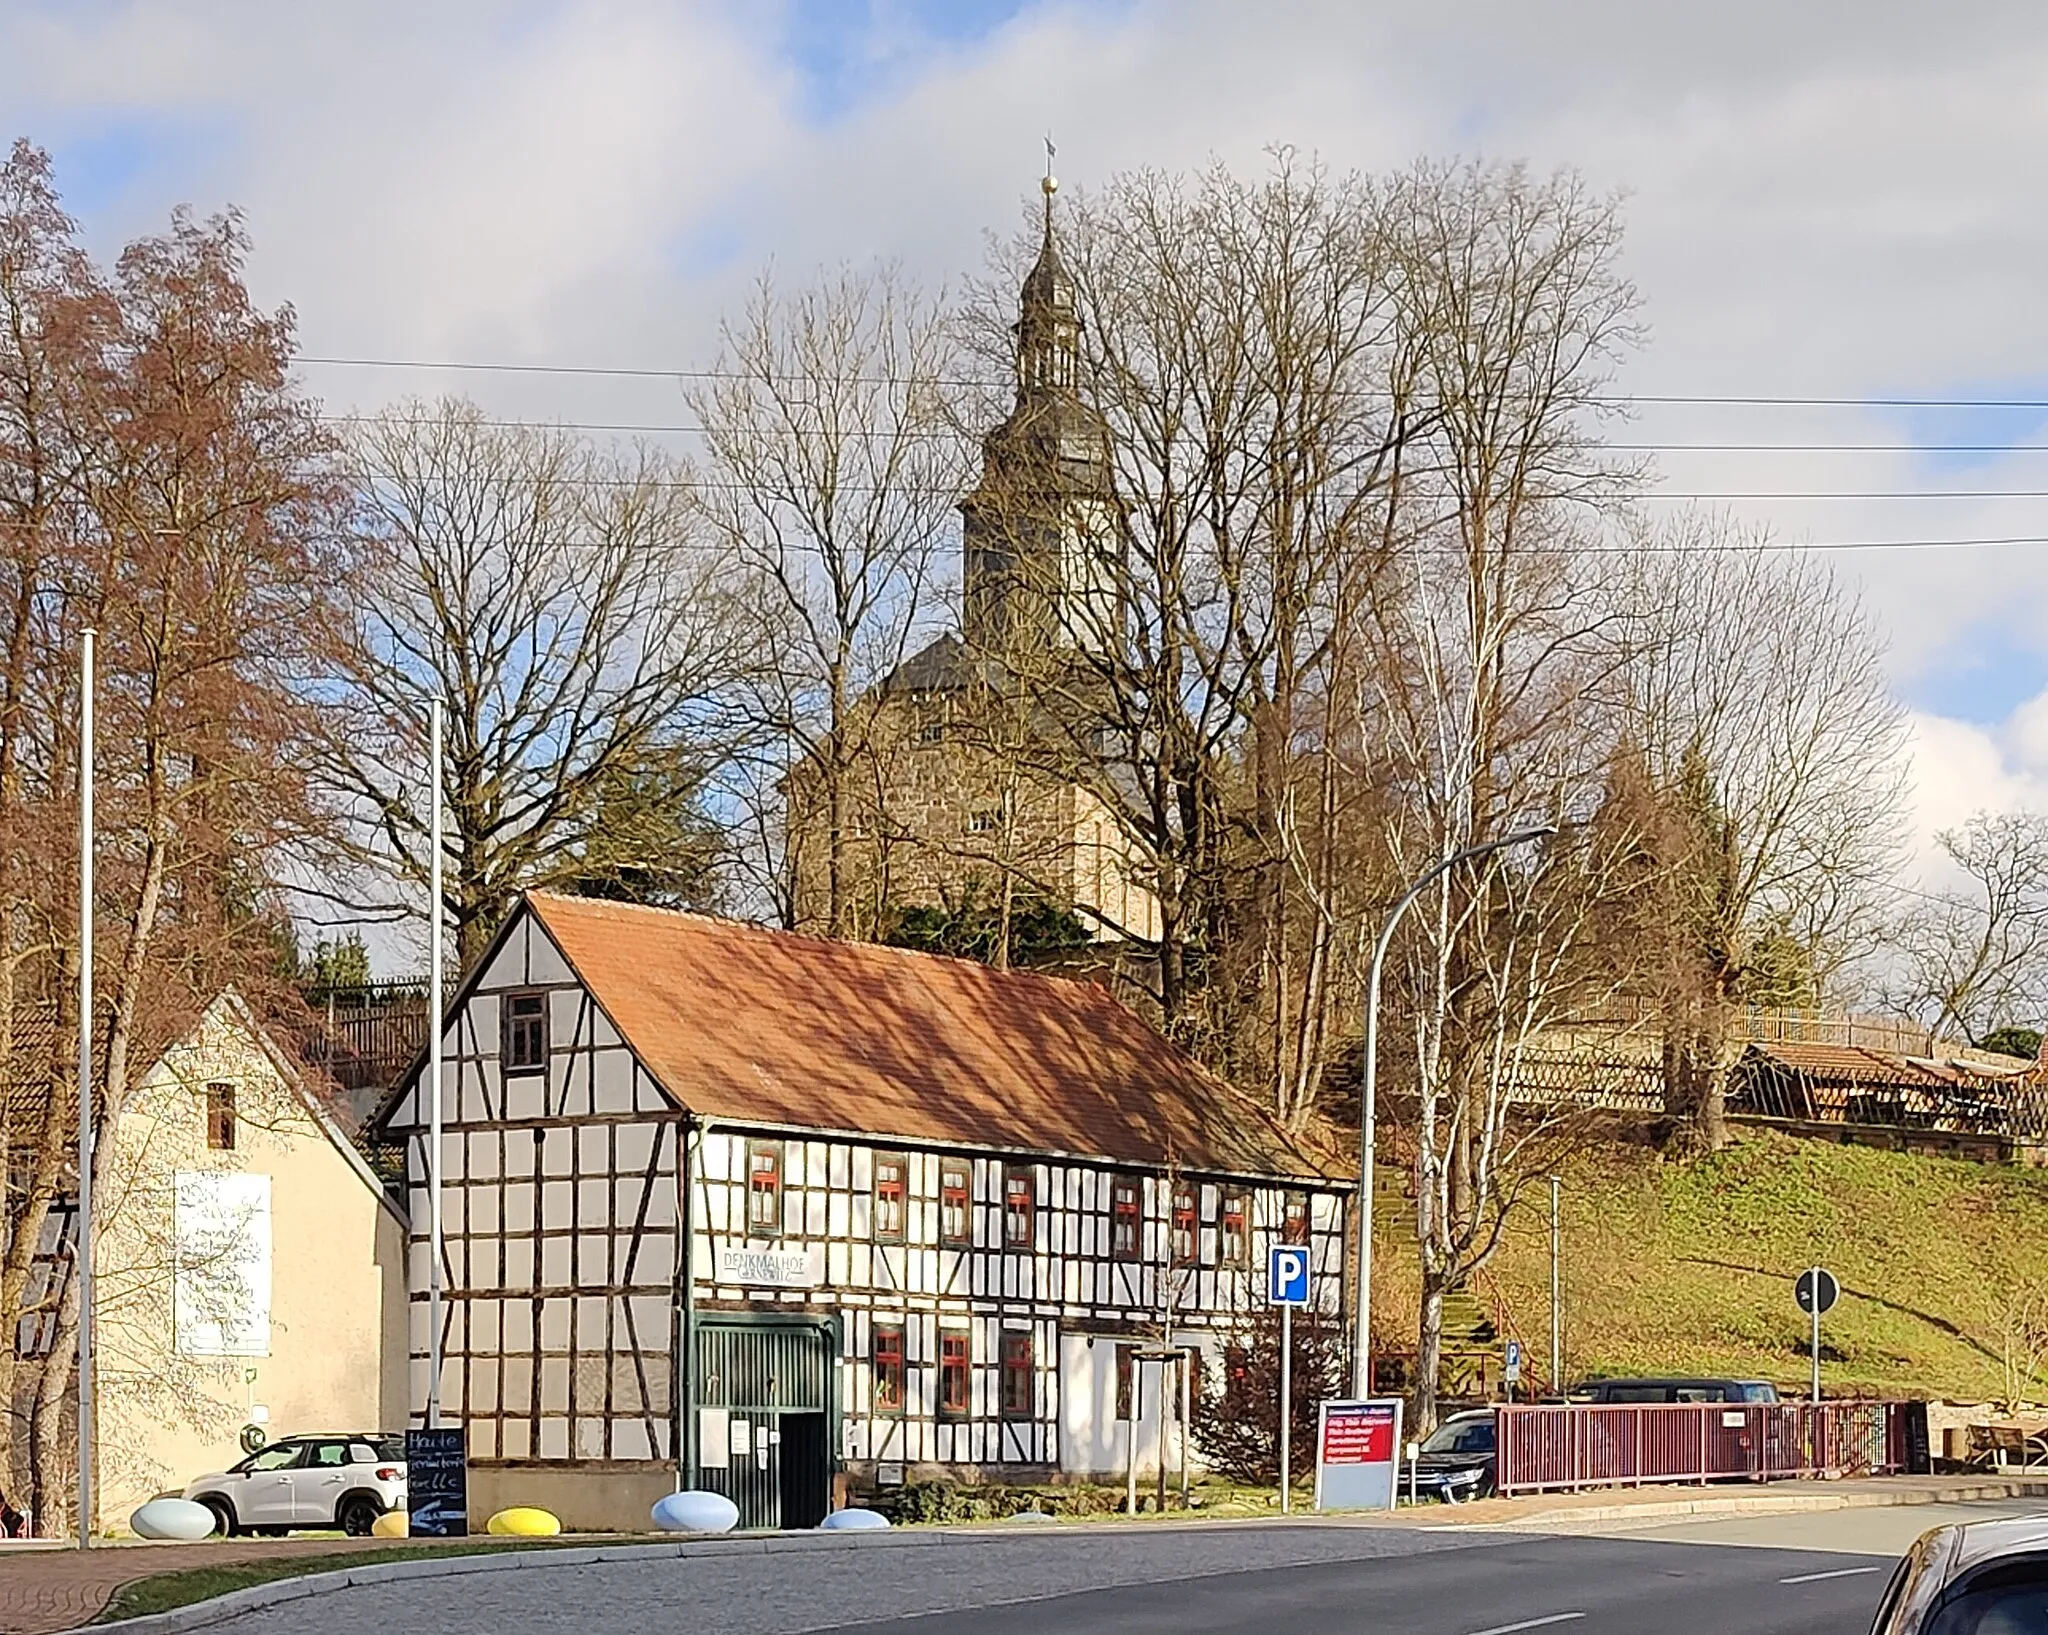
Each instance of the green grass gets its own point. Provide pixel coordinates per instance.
(160, 1592)
(1688, 1267)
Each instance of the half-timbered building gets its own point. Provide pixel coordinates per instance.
(937, 1214)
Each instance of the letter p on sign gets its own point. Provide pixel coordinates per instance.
(1287, 1275)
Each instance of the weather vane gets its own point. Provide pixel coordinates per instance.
(1051, 182)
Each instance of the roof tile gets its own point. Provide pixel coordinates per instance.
(773, 1029)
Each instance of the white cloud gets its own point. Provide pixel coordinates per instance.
(1833, 199)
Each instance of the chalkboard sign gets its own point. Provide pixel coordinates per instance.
(437, 1482)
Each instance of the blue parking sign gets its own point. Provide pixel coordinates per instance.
(1287, 1275)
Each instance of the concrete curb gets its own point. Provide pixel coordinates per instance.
(1563, 1518)
(201, 1614)
(258, 1596)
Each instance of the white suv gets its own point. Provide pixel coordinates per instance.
(307, 1481)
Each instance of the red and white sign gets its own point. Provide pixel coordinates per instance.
(1358, 1458)
(1359, 1434)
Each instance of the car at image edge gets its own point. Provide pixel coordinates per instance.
(1970, 1578)
(343, 1481)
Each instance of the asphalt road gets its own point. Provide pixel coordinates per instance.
(1817, 1574)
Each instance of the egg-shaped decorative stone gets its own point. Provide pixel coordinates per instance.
(695, 1511)
(524, 1521)
(172, 1518)
(392, 1524)
(853, 1519)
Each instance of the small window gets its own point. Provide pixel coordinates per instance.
(888, 1368)
(953, 1372)
(220, 1117)
(1294, 1219)
(764, 1188)
(932, 730)
(524, 1048)
(892, 1196)
(1234, 1243)
(1186, 1236)
(1126, 1217)
(956, 1223)
(984, 822)
(1019, 1197)
(1017, 1373)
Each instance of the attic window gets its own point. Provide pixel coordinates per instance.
(220, 1117)
(524, 1046)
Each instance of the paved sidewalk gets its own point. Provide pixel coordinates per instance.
(1620, 1506)
(50, 1587)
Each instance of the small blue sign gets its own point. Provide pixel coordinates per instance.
(1514, 1368)
(1287, 1275)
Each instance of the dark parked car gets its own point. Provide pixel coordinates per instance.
(1456, 1462)
(1975, 1578)
(1676, 1389)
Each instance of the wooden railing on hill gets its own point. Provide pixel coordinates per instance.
(366, 1036)
(1917, 1081)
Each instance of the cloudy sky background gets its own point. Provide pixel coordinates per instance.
(1826, 200)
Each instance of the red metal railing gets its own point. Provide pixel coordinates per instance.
(1626, 1445)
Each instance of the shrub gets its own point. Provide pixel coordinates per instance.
(1236, 1413)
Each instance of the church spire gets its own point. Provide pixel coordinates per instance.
(1048, 325)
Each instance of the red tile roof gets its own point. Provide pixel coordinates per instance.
(31, 1065)
(771, 1029)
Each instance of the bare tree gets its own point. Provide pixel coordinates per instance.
(1974, 959)
(1759, 703)
(581, 634)
(832, 472)
(1499, 657)
(167, 486)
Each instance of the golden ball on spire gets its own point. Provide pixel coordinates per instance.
(1050, 185)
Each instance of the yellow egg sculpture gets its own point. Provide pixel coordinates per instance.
(392, 1524)
(524, 1521)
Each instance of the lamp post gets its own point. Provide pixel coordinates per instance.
(1368, 1140)
(434, 917)
(1556, 1300)
(86, 1289)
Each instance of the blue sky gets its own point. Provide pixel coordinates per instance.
(849, 53)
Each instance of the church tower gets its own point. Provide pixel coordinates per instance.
(1038, 530)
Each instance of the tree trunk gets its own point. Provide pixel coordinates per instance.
(1429, 1352)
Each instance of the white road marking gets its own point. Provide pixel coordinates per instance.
(1839, 1572)
(1530, 1623)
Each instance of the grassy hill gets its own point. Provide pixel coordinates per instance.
(1688, 1268)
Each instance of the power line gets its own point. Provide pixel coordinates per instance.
(1612, 400)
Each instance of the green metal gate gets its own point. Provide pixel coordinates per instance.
(769, 1383)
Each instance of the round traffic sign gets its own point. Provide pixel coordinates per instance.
(1816, 1289)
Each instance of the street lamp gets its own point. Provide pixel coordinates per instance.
(1361, 1350)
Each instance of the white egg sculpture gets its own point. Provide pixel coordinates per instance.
(853, 1520)
(696, 1511)
(172, 1518)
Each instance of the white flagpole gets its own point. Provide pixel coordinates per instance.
(85, 1131)
(434, 1071)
